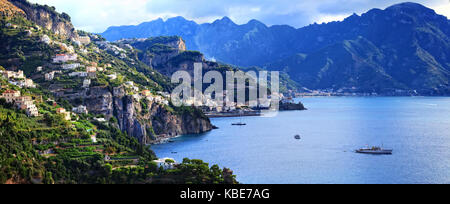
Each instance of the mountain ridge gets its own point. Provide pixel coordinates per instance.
(414, 40)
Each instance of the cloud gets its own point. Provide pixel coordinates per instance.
(97, 15)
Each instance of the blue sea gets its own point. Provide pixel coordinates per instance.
(266, 152)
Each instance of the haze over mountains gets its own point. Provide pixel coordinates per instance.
(402, 49)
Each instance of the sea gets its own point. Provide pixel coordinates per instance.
(265, 151)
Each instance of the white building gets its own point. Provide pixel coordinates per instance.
(91, 69)
(86, 83)
(21, 102)
(71, 66)
(165, 164)
(49, 76)
(66, 115)
(78, 74)
(27, 104)
(14, 75)
(63, 58)
(27, 83)
(10, 95)
(80, 110)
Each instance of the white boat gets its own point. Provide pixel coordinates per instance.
(374, 150)
(240, 123)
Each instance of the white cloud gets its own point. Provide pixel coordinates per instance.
(330, 18)
(443, 9)
(97, 15)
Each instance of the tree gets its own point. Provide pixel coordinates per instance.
(48, 178)
(170, 161)
(108, 169)
(65, 16)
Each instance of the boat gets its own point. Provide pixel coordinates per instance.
(297, 137)
(239, 124)
(374, 150)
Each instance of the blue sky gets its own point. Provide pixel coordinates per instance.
(97, 15)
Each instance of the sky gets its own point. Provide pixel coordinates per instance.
(98, 15)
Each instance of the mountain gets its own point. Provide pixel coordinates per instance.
(77, 109)
(222, 39)
(406, 47)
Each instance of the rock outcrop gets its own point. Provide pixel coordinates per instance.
(148, 124)
(48, 18)
(291, 106)
(168, 55)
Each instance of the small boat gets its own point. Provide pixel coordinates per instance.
(297, 137)
(374, 150)
(239, 124)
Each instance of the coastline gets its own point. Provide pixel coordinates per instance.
(234, 114)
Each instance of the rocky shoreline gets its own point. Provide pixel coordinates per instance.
(292, 106)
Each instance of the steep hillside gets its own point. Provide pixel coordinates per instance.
(46, 17)
(7, 9)
(106, 94)
(168, 54)
(72, 113)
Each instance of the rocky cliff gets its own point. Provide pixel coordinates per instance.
(48, 18)
(168, 55)
(148, 123)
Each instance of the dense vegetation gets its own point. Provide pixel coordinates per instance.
(78, 160)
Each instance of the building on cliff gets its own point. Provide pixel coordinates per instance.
(165, 163)
(63, 58)
(13, 75)
(21, 102)
(71, 66)
(86, 83)
(27, 104)
(80, 110)
(10, 95)
(49, 76)
(64, 113)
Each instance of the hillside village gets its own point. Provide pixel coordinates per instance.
(74, 104)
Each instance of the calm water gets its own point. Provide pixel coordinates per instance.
(265, 151)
